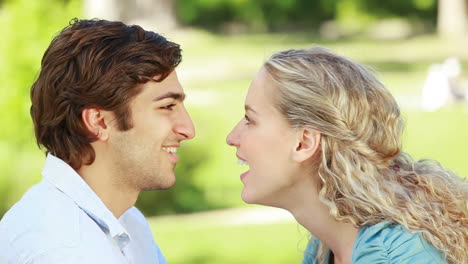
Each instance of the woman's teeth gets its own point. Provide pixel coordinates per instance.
(242, 162)
(170, 150)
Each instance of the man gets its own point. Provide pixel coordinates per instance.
(108, 109)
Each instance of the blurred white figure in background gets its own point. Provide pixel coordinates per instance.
(442, 85)
(436, 89)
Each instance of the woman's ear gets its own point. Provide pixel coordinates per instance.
(95, 120)
(307, 144)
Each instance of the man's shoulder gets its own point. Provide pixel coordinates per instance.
(43, 219)
(85, 253)
(41, 206)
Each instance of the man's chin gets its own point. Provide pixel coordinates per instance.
(160, 186)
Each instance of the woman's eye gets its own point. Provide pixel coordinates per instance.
(248, 120)
(168, 107)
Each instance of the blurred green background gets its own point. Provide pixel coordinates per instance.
(224, 44)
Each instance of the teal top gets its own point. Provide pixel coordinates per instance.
(385, 243)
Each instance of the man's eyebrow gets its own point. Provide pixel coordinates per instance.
(249, 108)
(175, 96)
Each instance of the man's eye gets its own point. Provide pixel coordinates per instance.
(168, 107)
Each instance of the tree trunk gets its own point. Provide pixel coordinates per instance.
(159, 15)
(452, 18)
(103, 9)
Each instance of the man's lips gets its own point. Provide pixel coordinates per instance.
(171, 151)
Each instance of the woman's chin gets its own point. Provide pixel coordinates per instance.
(252, 198)
(247, 198)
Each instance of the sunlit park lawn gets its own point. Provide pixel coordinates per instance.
(216, 73)
(251, 235)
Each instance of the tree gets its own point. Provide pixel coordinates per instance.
(452, 18)
(151, 14)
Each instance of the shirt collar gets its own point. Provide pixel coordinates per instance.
(67, 180)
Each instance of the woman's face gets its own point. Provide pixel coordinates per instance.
(264, 142)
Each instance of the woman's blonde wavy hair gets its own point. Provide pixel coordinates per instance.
(365, 177)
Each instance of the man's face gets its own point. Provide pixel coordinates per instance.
(144, 156)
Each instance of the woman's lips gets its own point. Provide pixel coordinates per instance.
(243, 175)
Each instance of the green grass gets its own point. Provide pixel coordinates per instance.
(211, 239)
(439, 135)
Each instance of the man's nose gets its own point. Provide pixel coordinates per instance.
(185, 126)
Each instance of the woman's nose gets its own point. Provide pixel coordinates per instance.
(232, 138)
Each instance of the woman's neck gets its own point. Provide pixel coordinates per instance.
(315, 217)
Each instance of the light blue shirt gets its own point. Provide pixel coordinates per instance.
(385, 243)
(61, 220)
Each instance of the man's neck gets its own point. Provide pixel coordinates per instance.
(117, 197)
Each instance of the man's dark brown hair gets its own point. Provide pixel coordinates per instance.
(94, 63)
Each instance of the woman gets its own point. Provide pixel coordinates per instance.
(321, 136)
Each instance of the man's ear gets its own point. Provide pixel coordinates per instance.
(96, 121)
(306, 145)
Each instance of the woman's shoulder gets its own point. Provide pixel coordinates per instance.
(311, 251)
(386, 242)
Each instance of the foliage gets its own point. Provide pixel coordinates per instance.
(261, 15)
(274, 15)
(27, 28)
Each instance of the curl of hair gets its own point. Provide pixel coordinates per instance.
(365, 177)
(94, 63)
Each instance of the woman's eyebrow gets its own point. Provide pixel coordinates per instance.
(249, 108)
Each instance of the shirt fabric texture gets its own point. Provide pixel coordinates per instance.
(385, 243)
(61, 220)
